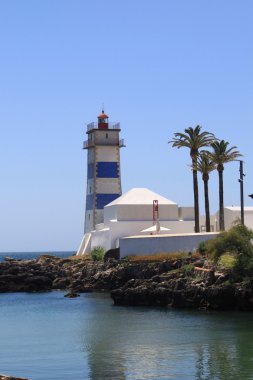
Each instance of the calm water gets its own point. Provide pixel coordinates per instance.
(44, 336)
(47, 337)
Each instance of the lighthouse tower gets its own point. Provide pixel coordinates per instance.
(103, 170)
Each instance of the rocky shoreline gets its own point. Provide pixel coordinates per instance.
(7, 377)
(172, 283)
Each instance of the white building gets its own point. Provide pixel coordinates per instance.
(233, 213)
(131, 213)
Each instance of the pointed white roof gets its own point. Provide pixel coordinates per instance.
(140, 196)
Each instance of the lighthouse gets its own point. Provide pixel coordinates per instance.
(103, 168)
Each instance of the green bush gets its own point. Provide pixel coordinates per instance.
(202, 247)
(228, 261)
(236, 243)
(98, 253)
(188, 269)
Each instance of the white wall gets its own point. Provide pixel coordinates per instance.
(101, 238)
(145, 212)
(148, 245)
(107, 153)
(186, 213)
(110, 213)
(100, 136)
(231, 216)
(99, 216)
(108, 185)
(123, 229)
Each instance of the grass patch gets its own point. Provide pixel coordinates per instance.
(188, 269)
(84, 257)
(163, 256)
(228, 261)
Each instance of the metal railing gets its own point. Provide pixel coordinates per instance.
(94, 125)
(121, 143)
(85, 144)
(88, 143)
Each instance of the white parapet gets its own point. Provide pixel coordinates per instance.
(153, 244)
(85, 245)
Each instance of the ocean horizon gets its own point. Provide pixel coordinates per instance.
(34, 254)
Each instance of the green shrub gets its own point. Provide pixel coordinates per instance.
(228, 261)
(242, 230)
(98, 253)
(202, 247)
(235, 243)
(188, 269)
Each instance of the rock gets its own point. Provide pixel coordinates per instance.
(221, 278)
(7, 258)
(60, 283)
(6, 377)
(112, 254)
(38, 283)
(72, 295)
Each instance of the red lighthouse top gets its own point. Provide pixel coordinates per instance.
(103, 121)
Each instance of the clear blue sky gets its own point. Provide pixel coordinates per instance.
(158, 66)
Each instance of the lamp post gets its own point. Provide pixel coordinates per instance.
(241, 191)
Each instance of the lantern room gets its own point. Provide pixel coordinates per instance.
(103, 121)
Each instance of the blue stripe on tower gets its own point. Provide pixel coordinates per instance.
(107, 170)
(103, 199)
(89, 202)
(90, 170)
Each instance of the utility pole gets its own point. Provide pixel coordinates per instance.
(241, 191)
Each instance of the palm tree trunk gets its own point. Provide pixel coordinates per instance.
(221, 201)
(196, 193)
(208, 227)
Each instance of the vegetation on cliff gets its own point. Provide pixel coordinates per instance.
(218, 277)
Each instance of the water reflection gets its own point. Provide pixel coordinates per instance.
(228, 351)
(132, 343)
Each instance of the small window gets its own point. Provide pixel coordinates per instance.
(89, 216)
(106, 135)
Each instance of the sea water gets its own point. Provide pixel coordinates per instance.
(44, 336)
(33, 255)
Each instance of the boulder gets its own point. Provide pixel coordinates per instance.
(38, 283)
(113, 253)
(72, 295)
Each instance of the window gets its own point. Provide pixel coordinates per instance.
(106, 135)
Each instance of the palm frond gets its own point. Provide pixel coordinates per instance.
(192, 139)
(221, 154)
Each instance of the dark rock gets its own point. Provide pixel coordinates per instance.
(72, 295)
(61, 283)
(112, 254)
(38, 283)
(221, 278)
(7, 377)
(13, 270)
(221, 297)
(11, 259)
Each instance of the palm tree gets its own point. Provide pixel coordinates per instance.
(205, 166)
(194, 140)
(220, 156)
